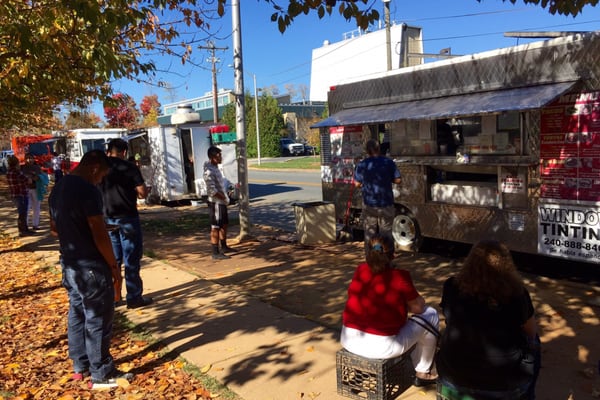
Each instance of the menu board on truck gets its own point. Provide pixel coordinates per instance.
(346, 145)
(570, 171)
(570, 148)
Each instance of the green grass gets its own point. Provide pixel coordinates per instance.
(187, 223)
(184, 224)
(308, 162)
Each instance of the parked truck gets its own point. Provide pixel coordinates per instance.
(290, 148)
(503, 144)
(40, 146)
(80, 141)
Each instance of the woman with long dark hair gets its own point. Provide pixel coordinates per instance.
(490, 347)
(375, 320)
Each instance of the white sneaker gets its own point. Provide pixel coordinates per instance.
(111, 381)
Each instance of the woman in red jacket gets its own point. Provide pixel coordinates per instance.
(375, 320)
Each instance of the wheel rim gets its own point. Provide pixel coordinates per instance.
(404, 230)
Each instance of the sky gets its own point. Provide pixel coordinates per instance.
(276, 59)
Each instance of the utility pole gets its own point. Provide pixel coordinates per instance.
(240, 120)
(388, 38)
(257, 125)
(214, 60)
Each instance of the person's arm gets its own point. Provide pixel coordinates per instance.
(142, 191)
(53, 230)
(417, 305)
(397, 177)
(211, 187)
(357, 177)
(530, 328)
(103, 243)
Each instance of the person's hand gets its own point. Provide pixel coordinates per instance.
(117, 281)
(115, 271)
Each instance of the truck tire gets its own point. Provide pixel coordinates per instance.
(405, 230)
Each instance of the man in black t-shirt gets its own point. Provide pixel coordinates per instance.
(121, 188)
(88, 270)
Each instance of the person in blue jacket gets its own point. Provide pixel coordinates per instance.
(375, 175)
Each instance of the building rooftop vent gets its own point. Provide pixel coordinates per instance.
(184, 114)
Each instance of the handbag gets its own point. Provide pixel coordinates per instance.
(423, 323)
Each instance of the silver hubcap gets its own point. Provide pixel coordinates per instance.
(404, 230)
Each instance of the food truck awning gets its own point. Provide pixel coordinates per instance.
(524, 98)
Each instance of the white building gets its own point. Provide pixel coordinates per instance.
(360, 55)
(204, 104)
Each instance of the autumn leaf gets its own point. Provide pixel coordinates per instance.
(206, 368)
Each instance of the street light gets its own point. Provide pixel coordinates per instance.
(257, 125)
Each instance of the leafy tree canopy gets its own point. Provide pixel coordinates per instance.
(68, 51)
(150, 108)
(120, 112)
(54, 52)
(270, 123)
(82, 118)
(364, 12)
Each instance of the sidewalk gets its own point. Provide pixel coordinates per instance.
(266, 322)
(257, 350)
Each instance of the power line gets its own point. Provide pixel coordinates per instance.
(211, 46)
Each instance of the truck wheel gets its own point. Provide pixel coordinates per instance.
(405, 231)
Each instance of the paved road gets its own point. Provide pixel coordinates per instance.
(273, 193)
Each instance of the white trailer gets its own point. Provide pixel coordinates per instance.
(172, 158)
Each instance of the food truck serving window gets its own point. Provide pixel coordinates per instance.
(488, 134)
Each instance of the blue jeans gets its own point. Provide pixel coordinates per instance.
(377, 220)
(127, 244)
(91, 314)
(21, 203)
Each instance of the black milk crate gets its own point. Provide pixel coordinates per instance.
(373, 379)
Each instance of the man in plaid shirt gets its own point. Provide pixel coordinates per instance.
(18, 185)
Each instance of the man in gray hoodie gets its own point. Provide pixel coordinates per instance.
(217, 204)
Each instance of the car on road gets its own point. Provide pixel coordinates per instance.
(310, 150)
(4, 159)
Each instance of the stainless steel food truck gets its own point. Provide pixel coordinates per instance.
(503, 144)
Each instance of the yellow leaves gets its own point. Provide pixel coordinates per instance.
(53, 353)
(177, 364)
(210, 311)
(205, 369)
(311, 395)
(11, 368)
(126, 367)
(123, 383)
(66, 397)
(149, 356)
(58, 26)
(137, 396)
